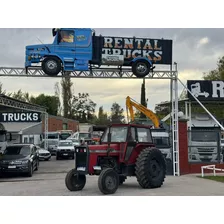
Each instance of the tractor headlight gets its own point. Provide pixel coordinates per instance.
(29, 58)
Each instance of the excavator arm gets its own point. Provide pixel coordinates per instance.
(130, 103)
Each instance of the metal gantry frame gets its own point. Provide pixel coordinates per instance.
(9, 102)
(115, 73)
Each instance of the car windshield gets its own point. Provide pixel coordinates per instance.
(64, 136)
(118, 134)
(17, 150)
(84, 135)
(65, 143)
(204, 136)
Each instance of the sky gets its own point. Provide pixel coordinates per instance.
(195, 50)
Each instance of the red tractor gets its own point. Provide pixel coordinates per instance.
(124, 150)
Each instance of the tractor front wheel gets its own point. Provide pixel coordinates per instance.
(150, 168)
(108, 181)
(75, 181)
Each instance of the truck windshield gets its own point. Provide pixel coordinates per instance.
(161, 141)
(204, 136)
(84, 135)
(66, 36)
(118, 134)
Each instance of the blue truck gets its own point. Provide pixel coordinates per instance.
(75, 49)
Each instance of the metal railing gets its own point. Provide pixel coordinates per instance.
(210, 167)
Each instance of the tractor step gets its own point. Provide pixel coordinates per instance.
(97, 167)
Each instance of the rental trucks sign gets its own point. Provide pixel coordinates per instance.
(156, 50)
(206, 90)
(20, 117)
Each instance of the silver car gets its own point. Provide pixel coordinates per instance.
(43, 154)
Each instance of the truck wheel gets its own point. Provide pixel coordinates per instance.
(108, 181)
(122, 179)
(141, 68)
(150, 168)
(51, 66)
(75, 181)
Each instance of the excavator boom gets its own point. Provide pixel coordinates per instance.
(130, 103)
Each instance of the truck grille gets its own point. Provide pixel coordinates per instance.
(206, 150)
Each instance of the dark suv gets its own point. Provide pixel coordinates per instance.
(19, 158)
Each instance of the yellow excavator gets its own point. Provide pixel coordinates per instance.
(130, 103)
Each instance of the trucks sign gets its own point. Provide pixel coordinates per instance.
(205, 90)
(20, 117)
(156, 50)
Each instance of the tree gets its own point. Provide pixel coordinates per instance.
(1, 89)
(117, 113)
(143, 99)
(216, 74)
(102, 118)
(67, 95)
(50, 102)
(83, 108)
(57, 94)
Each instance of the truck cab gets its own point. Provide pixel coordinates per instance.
(71, 50)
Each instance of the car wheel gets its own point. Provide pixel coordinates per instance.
(30, 172)
(37, 165)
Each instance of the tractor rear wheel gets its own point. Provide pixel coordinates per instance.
(150, 168)
(108, 181)
(122, 179)
(75, 181)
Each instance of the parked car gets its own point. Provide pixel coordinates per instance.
(52, 145)
(65, 149)
(43, 154)
(75, 142)
(19, 158)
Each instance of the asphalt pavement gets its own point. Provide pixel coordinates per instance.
(49, 180)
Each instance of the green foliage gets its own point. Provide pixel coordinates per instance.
(67, 95)
(143, 99)
(103, 118)
(50, 102)
(83, 108)
(117, 114)
(216, 74)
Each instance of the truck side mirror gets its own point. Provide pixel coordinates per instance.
(109, 137)
(54, 32)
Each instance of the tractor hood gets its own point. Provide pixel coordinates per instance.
(104, 147)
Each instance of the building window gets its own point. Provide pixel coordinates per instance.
(25, 140)
(65, 126)
(31, 140)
